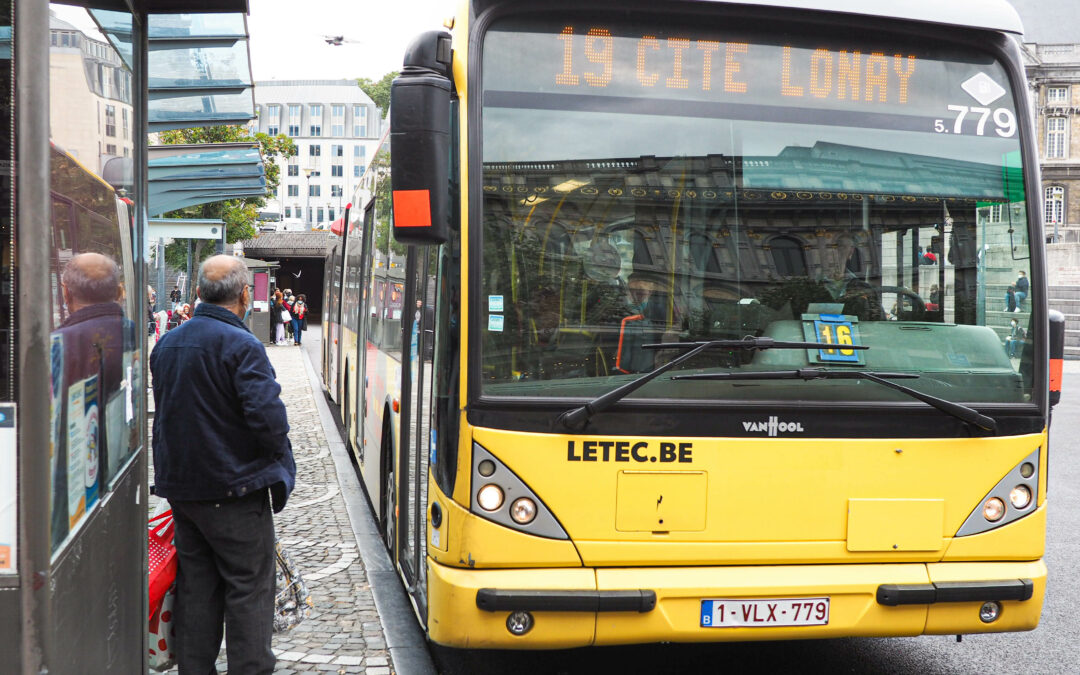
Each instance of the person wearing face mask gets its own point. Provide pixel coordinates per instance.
(1014, 343)
(223, 460)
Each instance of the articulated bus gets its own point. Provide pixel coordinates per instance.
(692, 321)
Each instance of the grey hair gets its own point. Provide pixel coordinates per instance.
(227, 289)
(91, 289)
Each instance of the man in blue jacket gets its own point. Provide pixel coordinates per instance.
(222, 458)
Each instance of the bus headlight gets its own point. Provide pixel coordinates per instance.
(993, 509)
(1014, 496)
(1020, 496)
(523, 510)
(490, 497)
(501, 496)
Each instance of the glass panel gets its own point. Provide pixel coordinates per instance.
(200, 66)
(96, 385)
(8, 456)
(197, 25)
(647, 181)
(173, 113)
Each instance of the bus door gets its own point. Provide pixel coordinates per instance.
(361, 322)
(416, 430)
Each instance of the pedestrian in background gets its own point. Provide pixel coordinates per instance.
(299, 311)
(174, 296)
(222, 458)
(277, 327)
(290, 303)
(1022, 289)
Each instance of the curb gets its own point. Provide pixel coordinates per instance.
(404, 640)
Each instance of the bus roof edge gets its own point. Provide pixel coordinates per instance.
(998, 15)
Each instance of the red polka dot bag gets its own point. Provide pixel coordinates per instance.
(162, 638)
(162, 556)
(161, 553)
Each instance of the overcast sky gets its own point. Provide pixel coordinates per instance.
(288, 36)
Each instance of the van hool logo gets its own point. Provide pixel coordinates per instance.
(773, 425)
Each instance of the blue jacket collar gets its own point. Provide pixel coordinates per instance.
(220, 313)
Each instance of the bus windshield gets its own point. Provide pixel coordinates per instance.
(650, 182)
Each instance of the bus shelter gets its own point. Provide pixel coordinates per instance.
(83, 83)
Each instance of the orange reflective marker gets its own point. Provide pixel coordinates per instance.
(412, 208)
(1055, 374)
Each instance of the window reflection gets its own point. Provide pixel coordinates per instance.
(93, 350)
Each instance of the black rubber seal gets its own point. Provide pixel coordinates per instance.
(893, 595)
(501, 600)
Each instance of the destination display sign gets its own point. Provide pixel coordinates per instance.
(606, 68)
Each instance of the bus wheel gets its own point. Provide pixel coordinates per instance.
(389, 501)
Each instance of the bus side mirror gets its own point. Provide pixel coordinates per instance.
(420, 141)
(1057, 354)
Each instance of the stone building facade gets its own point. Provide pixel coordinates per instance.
(1054, 78)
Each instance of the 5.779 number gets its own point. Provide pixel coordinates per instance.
(1004, 121)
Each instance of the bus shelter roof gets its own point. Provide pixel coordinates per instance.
(198, 66)
(188, 175)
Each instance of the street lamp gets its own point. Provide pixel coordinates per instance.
(307, 204)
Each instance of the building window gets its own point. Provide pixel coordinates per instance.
(337, 120)
(288, 212)
(336, 191)
(315, 117)
(1054, 205)
(273, 119)
(294, 170)
(337, 150)
(995, 212)
(1056, 137)
(330, 215)
(110, 149)
(294, 120)
(337, 170)
(294, 190)
(125, 116)
(320, 218)
(299, 212)
(1057, 95)
(787, 255)
(359, 120)
(356, 171)
(314, 191)
(110, 120)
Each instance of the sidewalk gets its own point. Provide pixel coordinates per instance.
(344, 633)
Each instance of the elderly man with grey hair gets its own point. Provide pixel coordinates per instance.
(93, 334)
(222, 458)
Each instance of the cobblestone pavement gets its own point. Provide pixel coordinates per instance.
(343, 633)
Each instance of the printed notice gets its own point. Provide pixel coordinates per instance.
(76, 459)
(495, 323)
(9, 525)
(495, 303)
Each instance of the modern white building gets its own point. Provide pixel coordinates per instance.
(336, 128)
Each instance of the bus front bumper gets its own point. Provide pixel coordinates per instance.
(581, 606)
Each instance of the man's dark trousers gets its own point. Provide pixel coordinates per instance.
(226, 573)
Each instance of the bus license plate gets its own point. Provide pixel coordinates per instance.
(765, 613)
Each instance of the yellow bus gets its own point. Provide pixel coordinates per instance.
(718, 320)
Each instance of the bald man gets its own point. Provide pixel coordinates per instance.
(222, 458)
(94, 334)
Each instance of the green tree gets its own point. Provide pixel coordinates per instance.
(378, 91)
(240, 215)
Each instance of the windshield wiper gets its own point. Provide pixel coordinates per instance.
(578, 417)
(957, 410)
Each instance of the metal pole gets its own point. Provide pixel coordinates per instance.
(160, 268)
(190, 290)
(33, 295)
